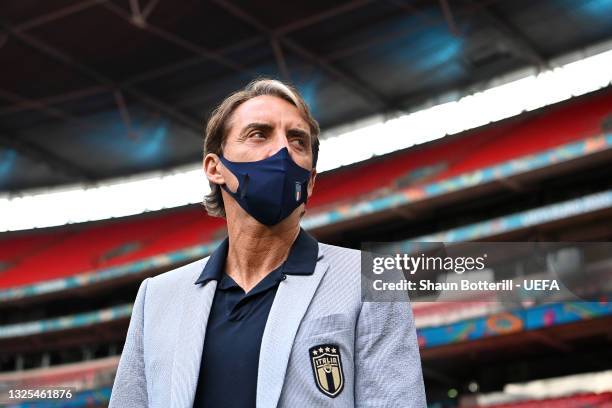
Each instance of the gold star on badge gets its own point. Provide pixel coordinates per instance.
(333, 350)
(327, 349)
(320, 349)
(315, 352)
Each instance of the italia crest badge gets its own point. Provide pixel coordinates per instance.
(327, 369)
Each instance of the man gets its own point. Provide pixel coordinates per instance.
(272, 318)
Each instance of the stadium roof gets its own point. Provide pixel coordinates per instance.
(93, 89)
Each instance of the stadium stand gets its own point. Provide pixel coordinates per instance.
(579, 390)
(74, 251)
(81, 376)
(156, 241)
(575, 401)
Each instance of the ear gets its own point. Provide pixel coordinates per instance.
(217, 173)
(212, 164)
(311, 182)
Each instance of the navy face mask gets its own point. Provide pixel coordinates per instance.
(269, 189)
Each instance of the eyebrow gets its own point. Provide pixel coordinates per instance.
(266, 127)
(298, 132)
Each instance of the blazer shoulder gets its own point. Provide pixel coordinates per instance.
(184, 275)
(343, 261)
(332, 253)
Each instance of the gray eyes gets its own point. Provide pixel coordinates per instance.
(297, 140)
(300, 141)
(257, 134)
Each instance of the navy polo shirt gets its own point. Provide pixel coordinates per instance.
(228, 370)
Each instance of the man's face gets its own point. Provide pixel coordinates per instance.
(258, 129)
(263, 125)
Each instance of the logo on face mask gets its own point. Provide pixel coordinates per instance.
(269, 189)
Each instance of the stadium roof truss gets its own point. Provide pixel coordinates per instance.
(104, 88)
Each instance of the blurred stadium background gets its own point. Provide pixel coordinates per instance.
(449, 120)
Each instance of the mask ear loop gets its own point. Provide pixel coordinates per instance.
(241, 191)
(305, 190)
(244, 186)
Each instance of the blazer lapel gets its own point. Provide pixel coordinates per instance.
(197, 301)
(292, 299)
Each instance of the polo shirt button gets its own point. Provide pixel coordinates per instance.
(283, 276)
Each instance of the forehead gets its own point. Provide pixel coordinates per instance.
(266, 109)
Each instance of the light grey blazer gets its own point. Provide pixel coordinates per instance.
(377, 342)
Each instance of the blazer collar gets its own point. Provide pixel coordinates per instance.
(196, 302)
(291, 302)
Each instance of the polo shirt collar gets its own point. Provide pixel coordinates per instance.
(301, 260)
